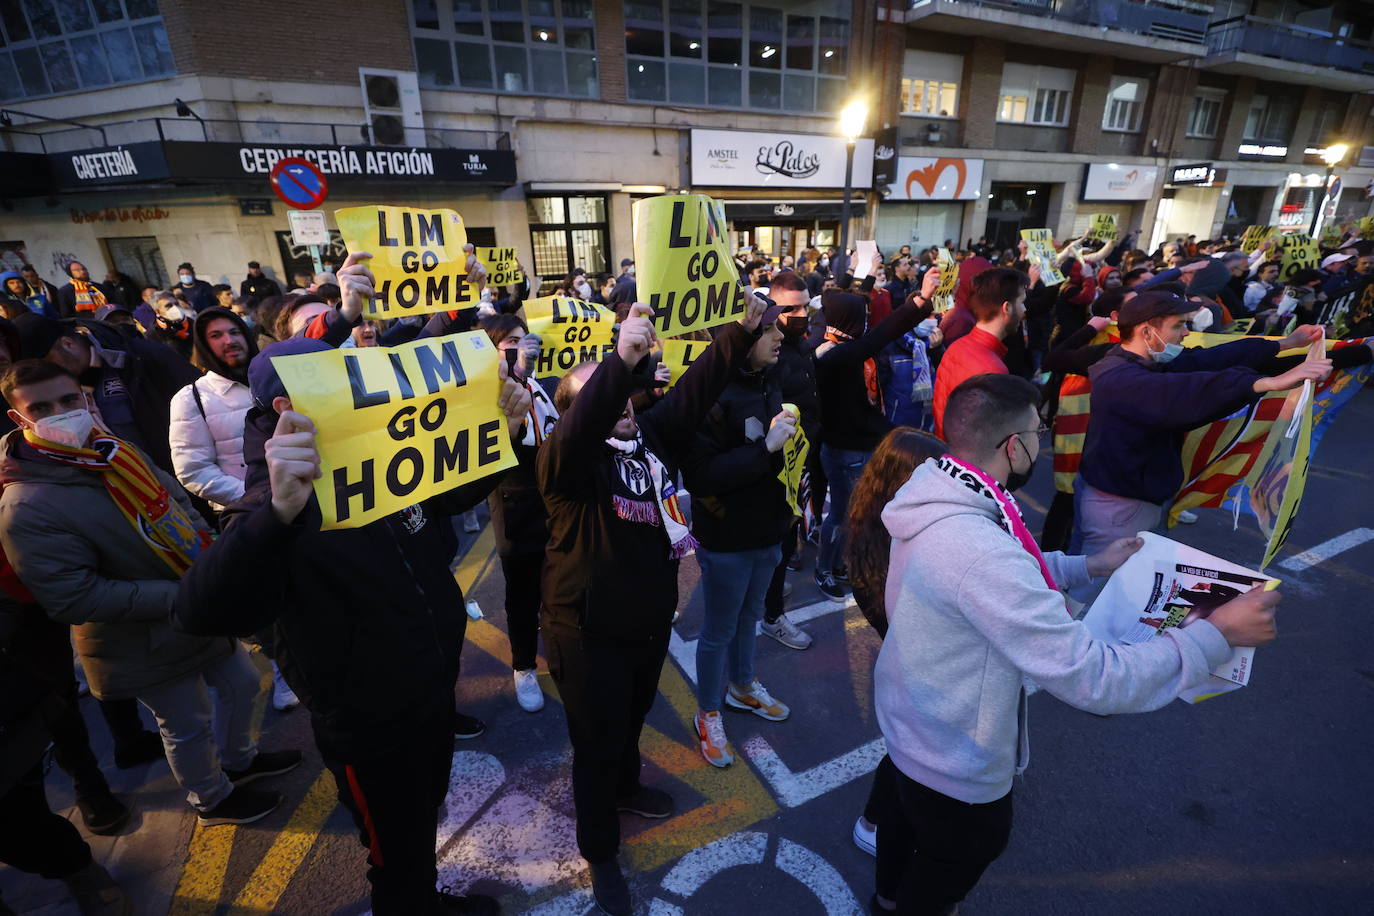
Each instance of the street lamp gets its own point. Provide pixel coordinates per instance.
(1332, 156)
(853, 118)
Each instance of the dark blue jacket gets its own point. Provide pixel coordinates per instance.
(1141, 413)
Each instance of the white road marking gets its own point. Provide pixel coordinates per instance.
(684, 651)
(573, 904)
(793, 789)
(820, 877)
(1328, 549)
(705, 862)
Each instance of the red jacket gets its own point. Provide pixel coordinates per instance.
(973, 354)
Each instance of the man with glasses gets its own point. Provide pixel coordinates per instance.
(998, 303)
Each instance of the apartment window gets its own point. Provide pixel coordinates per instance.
(1270, 118)
(1125, 104)
(531, 47)
(1326, 124)
(1205, 116)
(49, 48)
(778, 57)
(569, 231)
(930, 84)
(1035, 95)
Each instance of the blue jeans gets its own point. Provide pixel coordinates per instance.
(734, 584)
(843, 467)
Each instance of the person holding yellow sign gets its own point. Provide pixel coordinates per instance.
(369, 620)
(616, 533)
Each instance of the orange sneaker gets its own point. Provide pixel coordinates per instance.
(757, 700)
(711, 736)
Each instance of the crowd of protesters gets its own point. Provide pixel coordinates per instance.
(158, 513)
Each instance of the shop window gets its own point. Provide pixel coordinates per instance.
(930, 84)
(48, 47)
(1205, 116)
(746, 55)
(568, 231)
(544, 47)
(1035, 95)
(1125, 104)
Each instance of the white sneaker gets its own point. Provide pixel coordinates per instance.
(283, 697)
(866, 836)
(527, 692)
(787, 633)
(1187, 517)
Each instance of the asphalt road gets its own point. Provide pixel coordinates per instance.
(1255, 802)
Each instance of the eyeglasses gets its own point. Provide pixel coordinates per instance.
(1039, 434)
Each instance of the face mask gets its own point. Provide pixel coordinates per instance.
(1287, 305)
(486, 295)
(188, 279)
(1202, 319)
(825, 262)
(1168, 353)
(631, 270)
(72, 428)
(794, 327)
(584, 290)
(1018, 479)
(248, 320)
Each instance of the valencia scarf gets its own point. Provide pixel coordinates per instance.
(1009, 513)
(135, 489)
(88, 297)
(875, 391)
(637, 469)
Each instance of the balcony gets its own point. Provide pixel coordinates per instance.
(1113, 27)
(1266, 49)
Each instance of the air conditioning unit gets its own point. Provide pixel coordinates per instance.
(391, 108)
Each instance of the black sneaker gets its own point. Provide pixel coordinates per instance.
(830, 588)
(794, 563)
(103, 814)
(243, 806)
(471, 904)
(610, 890)
(267, 763)
(841, 574)
(465, 727)
(146, 748)
(647, 802)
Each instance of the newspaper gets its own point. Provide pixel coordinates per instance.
(1167, 584)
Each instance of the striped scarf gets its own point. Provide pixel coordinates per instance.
(89, 298)
(135, 489)
(637, 469)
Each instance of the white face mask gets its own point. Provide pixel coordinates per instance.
(1202, 319)
(631, 270)
(72, 428)
(188, 279)
(584, 290)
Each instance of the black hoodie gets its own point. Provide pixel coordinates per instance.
(204, 358)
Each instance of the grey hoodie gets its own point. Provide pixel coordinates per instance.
(970, 618)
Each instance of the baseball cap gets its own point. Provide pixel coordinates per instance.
(1153, 304)
(263, 381)
(38, 333)
(254, 265)
(1334, 259)
(626, 262)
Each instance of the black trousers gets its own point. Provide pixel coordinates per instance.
(32, 838)
(1058, 528)
(49, 649)
(607, 688)
(393, 789)
(882, 795)
(522, 571)
(122, 717)
(932, 849)
(773, 605)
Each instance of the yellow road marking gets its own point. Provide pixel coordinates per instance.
(269, 880)
(202, 878)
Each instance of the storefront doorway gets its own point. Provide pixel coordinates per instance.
(140, 258)
(1013, 207)
(776, 240)
(1246, 207)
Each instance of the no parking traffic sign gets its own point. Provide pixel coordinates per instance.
(299, 183)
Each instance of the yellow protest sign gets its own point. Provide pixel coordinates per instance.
(570, 332)
(1254, 236)
(1241, 325)
(417, 258)
(1102, 226)
(1366, 224)
(794, 452)
(397, 425)
(1299, 253)
(501, 265)
(1040, 252)
(678, 355)
(1277, 484)
(943, 299)
(683, 266)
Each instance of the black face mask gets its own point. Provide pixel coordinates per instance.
(1018, 479)
(794, 327)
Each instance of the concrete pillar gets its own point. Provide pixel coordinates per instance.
(1302, 128)
(1089, 102)
(979, 94)
(1233, 117)
(1171, 101)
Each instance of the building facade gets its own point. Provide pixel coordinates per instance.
(139, 134)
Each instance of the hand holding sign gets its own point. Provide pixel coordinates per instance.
(419, 263)
(1302, 336)
(780, 430)
(356, 285)
(754, 313)
(930, 283)
(293, 464)
(514, 400)
(1248, 620)
(529, 348)
(637, 335)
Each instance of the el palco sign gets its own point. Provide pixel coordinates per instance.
(751, 159)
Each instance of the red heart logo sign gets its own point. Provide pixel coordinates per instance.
(1131, 176)
(930, 175)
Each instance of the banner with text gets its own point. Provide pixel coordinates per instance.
(1283, 461)
(502, 266)
(417, 258)
(678, 355)
(398, 425)
(1254, 236)
(1040, 252)
(943, 299)
(794, 452)
(683, 265)
(1299, 253)
(570, 332)
(1102, 226)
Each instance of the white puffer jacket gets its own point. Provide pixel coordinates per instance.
(207, 448)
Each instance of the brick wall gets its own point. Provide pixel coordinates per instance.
(982, 84)
(610, 49)
(249, 38)
(1171, 101)
(1234, 113)
(1089, 102)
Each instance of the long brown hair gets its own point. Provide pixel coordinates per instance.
(891, 465)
